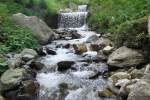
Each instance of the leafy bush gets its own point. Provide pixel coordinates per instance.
(15, 38)
(107, 15)
(132, 33)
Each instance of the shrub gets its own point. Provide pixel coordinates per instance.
(15, 38)
(132, 33)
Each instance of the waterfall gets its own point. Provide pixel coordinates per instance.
(74, 20)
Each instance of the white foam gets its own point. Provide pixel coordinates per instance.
(91, 53)
(83, 74)
(49, 80)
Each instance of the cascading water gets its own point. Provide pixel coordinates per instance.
(74, 20)
(73, 84)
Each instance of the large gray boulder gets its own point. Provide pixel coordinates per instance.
(140, 91)
(12, 77)
(125, 57)
(39, 28)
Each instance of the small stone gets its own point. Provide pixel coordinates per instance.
(92, 38)
(118, 76)
(28, 54)
(41, 51)
(95, 47)
(108, 49)
(50, 51)
(80, 48)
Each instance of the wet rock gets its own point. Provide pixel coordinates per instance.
(140, 91)
(28, 54)
(95, 47)
(12, 77)
(41, 51)
(92, 38)
(125, 57)
(67, 46)
(37, 65)
(108, 49)
(90, 56)
(27, 90)
(80, 48)
(50, 51)
(40, 30)
(74, 34)
(119, 76)
(64, 65)
(30, 87)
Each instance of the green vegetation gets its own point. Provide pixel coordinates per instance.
(123, 18)
(133, 33)
(13, 38)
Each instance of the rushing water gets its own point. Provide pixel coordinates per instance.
(72, 84)
(74, 20)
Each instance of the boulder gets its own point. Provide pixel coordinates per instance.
(12, 77)
(37, 65)
(30, 87)
(64, 65)
(125, 57)
(80, 48)
(92, 38)
(140, 91)
(50, 51)
(27, 90)
(28, 54)
(39, 28)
